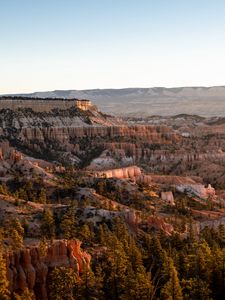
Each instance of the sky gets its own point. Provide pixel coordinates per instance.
(85, 44)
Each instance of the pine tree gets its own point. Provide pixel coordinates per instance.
(103, 234)
(85, 233)
(134, 254)
(68, 225)
(48, 225)
(4, 283)
(86, 288)
(29, 188)
(62, 282)
(15, 232)
(16, 239)
(196, 289)
(172, 289)
(191, 232)
(138, 285)
(43, 247)
(115, 269)
(200, 261)
(99, 279)
(15, 223)
(157, 256)
(120, 230)
(42, 198)
(27, 295)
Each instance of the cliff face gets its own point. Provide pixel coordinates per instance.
(35, 105)
(26, 268)
(42, 104)
(122, 173)
(63, 133)
(88, 138)
(80, 134)
(73, 116)
(84, 104)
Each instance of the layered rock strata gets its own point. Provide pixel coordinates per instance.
(42, 104)
(28, 269)
(122, 173)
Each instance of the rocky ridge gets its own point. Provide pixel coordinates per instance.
(88, 138)
(80, 133)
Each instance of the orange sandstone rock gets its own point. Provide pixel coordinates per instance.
(26, 268)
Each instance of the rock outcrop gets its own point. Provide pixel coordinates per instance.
(168, 197)
(28, 269)
(198, 190)
(122, 173)
(157, 223)
(12, 160)
(84, 104)
(185, 184)
(42, 104)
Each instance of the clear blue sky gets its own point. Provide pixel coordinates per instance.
(82, 44)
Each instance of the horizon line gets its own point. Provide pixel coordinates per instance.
(114, 88)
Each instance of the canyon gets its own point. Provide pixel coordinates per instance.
(86, 137)
(73, 163)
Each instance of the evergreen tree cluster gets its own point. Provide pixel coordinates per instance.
(128, 265)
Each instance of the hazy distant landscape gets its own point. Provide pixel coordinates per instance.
(203, 101)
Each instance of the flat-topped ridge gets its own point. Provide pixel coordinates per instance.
(43, 104)
(8, 97)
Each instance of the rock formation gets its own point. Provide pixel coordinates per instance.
(42, 104)
(198, 190)
(168, 197)
(27, 268)
(158, 223)
(84, 104)
(12, 160)
(83, 136)
(122, 173)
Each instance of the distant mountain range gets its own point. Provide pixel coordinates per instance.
(204, 101)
